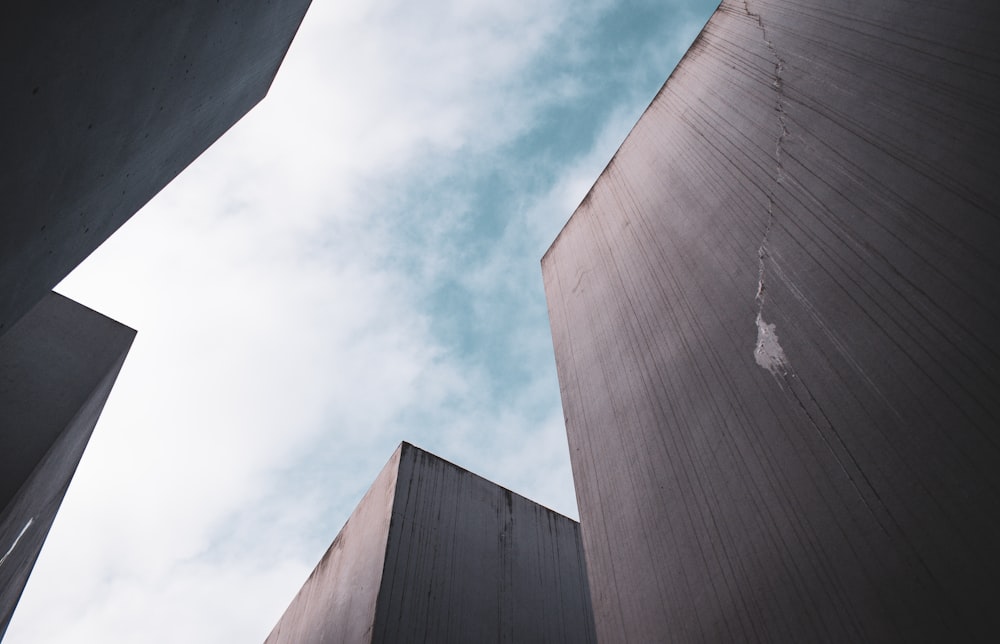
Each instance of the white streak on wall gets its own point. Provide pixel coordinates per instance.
(14, 545)
(768, 352)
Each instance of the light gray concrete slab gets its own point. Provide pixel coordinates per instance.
(775, 321)
(442, 555)
(337, 603)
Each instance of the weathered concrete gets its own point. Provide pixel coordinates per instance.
(103, 104)
(776, 321)
(434, 553)
(337, 602)
(57, 367)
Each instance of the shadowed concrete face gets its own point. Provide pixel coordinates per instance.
(775, 320)
(57, 367)
(434, 553)
(103, 104)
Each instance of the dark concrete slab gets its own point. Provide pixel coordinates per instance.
(776, 321)
(57, 367)
(434, 553)
(103, 104)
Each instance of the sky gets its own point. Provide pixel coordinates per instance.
(354, 264)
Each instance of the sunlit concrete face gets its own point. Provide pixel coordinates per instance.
(434, 553)
(776, 321)
(103, 104)
(57, 367)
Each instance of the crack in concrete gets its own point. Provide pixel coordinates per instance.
(768, 352)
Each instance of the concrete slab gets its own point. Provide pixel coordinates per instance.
(434, 553)
(57, 367)
(775, 321)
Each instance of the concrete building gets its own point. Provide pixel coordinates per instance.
(103, 104)
(57, 367)
(776, 319)
(434, 553)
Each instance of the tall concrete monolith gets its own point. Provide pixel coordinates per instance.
(776, 318)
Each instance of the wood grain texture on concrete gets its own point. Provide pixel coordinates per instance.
(57, 367)
(776, 319)
(434, 553)
(103, 104)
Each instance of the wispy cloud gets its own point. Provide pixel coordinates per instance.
(354, 264)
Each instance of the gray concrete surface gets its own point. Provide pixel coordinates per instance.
(57, 367)
(337, 602)
(434, 553)
(776, 320)
(103, 104)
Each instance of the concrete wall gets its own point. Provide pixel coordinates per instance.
(103, 104)
(775, 321)
(469, 561)
(57, 367)
(462, 560)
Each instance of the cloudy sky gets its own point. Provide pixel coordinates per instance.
(354, 264)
